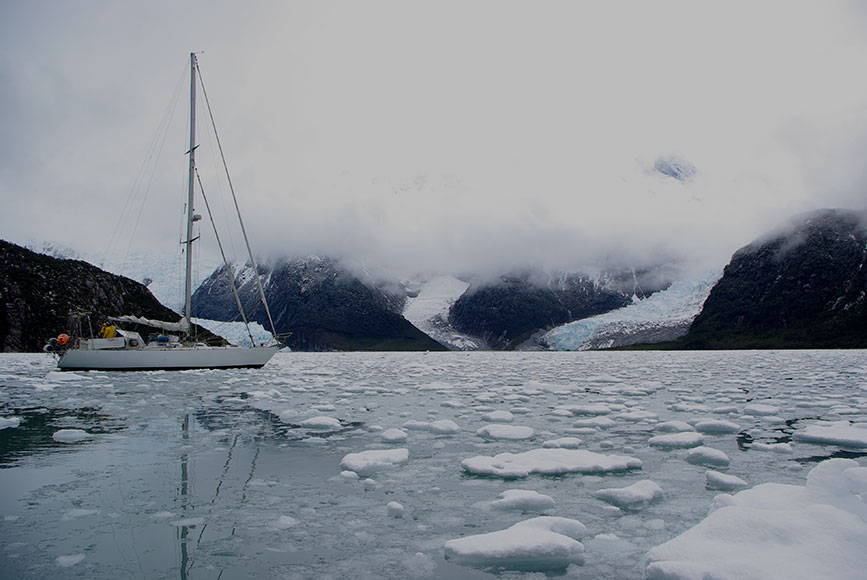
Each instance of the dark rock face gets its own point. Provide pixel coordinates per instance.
(510, 310)
(38, 293)
(803, 288)
(318, 304)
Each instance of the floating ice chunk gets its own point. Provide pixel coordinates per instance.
(725, 409)
(322, 423)
(395, 509)
(441, 427)
(499, 417)
(760, 409)
(444, 427)
(841, 433)
(563, 442)
(369, 484)
(600, 422)
(523, 500)
(393, 435)
(774, 447)
(635, 496)
(707, 456)
(638, 415)
(589, 409)
(284, 523)
(452, 404)
(677, 440)
(542, 543)
(78, 513)
(673, 427)
(713, 426)
(548, 462)
(9, 422)
(70, 435)
(510, 432)
(776, 532)
(723, 481)
(366, 462)
(69, 561)
(349, 475)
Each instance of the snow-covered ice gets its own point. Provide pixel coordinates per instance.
(776, 532)
(548, 462)
(540, 543)
(510, 432)
(841, 433)
(524, 500)
(635, 496)
(367, 462)
(677, 440)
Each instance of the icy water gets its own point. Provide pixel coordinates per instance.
(216, 475)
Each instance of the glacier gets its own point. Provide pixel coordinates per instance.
(664, 315)
(429, 312)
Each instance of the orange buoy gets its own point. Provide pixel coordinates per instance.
(62, 339)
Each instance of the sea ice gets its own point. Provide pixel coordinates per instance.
(499, 417)
(367, 462)
(723, 481)
(677, 440)
(510, 432)
(589, 409)
(707, 456)
(774, 447)
(9, 422)
(548, 462)
(70, 435)
(563, 442)
(716, 426)
(841, 433)
(69, 561)
(395, 509)
(524, 500)
(635, 496)
(441, 427)
(541, 543)
(760, 409)
(393, 435)
(673, 427)
(322, 423)
(600, 422)
(776, 532)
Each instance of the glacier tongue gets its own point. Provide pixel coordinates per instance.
(665, 315)
(429, 312)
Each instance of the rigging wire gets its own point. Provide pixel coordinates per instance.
(237, 209)
(154, 149)
(226, 262)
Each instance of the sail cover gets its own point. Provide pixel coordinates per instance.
(183, 325)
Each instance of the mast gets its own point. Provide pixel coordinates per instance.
(188, 283)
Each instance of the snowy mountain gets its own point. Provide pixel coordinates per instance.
(661, 317)
(429, 312)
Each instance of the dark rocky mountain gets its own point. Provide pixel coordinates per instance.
(508, 311)
(804, 287)
(316, 304)
(38, 293)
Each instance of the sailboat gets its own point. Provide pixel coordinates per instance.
(114, 348)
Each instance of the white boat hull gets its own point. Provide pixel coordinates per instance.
(178, 358)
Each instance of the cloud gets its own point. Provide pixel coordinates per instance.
(444, 136)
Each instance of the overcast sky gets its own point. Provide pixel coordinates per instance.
(440, 136)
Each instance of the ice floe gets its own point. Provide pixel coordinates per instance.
(548, 462)
(70, 435)
(723, 481)
(777, 532)
(707, 456)
(509, 432)
(563, 442)
(9, 422)
(716, 426)
(523, 500)
(371, 461)
(677, 440)
(541, 543)
(841, 433)
(635, 496)
(322, 423)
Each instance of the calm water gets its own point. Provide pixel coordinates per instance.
(211, 474)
